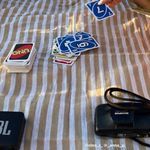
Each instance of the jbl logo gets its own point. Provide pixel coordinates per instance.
(4, 128)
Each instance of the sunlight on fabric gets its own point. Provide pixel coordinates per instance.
(96, 92)
(38, 30)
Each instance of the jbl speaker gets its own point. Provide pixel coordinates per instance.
(12, 126)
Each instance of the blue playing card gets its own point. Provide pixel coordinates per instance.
(82, 35)
(83, 45)
(64, 41)
(101, 12)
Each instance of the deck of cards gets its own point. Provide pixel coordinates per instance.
(66, 49)
(101, 12)
(20, 58)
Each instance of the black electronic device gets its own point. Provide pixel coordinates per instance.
(12, 126)
(127, 119)
(112, 122)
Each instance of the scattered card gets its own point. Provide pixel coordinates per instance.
(101, 12)
(83, 45)
(66, 49)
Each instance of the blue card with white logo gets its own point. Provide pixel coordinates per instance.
(64, 41)
(83, 45)
(101, 12)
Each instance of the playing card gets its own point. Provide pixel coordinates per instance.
(57, 55)
(64, 41)
(20, 52)
(82, 35)
(83, 45)
(63, 62)
(101, 12)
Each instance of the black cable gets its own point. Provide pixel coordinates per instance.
(135, 99)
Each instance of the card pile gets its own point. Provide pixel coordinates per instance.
(20, 58)
(66, 49)
(101, 12)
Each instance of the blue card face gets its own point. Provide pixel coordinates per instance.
(64, 41)
(82, 35)
(101, 12)
(82, 45)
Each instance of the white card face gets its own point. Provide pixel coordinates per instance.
(21, 52)
(101, 12)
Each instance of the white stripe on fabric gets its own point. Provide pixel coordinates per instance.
(28, 9)
(72, 98)
(10, 13)
(120, 68)
(143, 31)
(10, 93)
(110, 67)
(57, 7)
(72, 110)
(62, 109)
(8, 40)
(19, 11)
(1, 4)
(50, 7)
(42, 94)
(9, 4)
(140, 70)
(34, 75)
(92, 78)
(17, 37)
(2, 81)
(123, 7)
(35, 8)
(8, 97)
(116, 46)
(52, 95)
(50, 111)
(100, 64)
(24, 76)
(83, 104)
(83, 92)
(34, 81)
(127, 56)
(42, 7)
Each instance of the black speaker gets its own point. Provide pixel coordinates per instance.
(12, 126)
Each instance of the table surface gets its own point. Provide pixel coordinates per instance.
(59, 101)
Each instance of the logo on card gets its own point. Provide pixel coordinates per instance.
(21, 51)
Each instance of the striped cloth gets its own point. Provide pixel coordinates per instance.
(59, 101)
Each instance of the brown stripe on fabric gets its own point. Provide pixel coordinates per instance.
(18, 77)
(16, 92)
(111, 47)
(78, 99)
(66, 111)
(28, 77)
(5, 90)
(53, 142)
(136, 72)
(145, 29)
(32, 106)
(90, 133)
(115, 24)
(138, 31)
(65, 141)
(48, 91)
